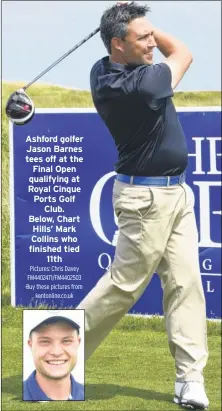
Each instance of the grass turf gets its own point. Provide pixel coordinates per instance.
(131, 370)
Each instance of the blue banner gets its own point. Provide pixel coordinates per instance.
(63, 227)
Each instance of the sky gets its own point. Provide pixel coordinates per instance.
(37, 33)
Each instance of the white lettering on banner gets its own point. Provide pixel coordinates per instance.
(59, 149)
(62, 169)
(198, 154)
(71, 139)
(39, 149)
(207, 264)
(42, 139)
(51, 159)
(211, 142)
(42, 169)
(94, 206)
(104, 261)
(205, 212)
(213, 155)
(209, 288)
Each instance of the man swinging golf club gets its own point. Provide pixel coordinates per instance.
(153, 204)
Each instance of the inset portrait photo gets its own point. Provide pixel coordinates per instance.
(53, 355)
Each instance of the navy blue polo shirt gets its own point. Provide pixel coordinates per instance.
(135, 104)
(32, 391)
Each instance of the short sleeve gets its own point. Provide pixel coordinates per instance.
(155, 81)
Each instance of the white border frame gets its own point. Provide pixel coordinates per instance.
(93, 110)
(12, 212)
(11, 176)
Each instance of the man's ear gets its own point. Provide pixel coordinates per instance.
(79, 339)
(30, 343)
(117, 43)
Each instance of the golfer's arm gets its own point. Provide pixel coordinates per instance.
(178, 56)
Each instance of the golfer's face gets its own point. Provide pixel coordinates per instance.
(139, 42)
(54, 350)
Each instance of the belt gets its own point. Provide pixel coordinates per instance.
(152, 181)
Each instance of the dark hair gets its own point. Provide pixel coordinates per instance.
(55, 320)
(115, 20)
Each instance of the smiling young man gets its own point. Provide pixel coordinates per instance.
(153, 204)
(54, 344)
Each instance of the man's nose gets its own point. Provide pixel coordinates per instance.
(151, 42)
(56, 350)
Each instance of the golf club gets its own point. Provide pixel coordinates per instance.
(20, 108)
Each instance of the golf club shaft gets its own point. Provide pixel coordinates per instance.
(62, 58)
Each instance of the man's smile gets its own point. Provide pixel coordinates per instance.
(56, 362)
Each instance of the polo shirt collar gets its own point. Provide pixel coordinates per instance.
(38, 395)
(117, 66)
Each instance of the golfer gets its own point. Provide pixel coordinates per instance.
(54, 342)
(154, 206)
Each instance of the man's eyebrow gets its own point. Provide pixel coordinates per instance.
(63, 338)
(69, 336)
(43, 338)
(148, 33)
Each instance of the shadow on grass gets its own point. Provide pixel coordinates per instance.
(107, 391)
(6, 300)
(13, 386)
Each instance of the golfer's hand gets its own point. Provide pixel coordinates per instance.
(120, 3)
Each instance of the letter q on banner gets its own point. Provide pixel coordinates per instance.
(94, 208)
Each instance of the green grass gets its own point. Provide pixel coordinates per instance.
(132, 369)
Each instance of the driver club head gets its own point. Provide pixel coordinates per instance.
(20, 108)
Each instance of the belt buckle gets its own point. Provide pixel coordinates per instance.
(131, 180)
(168, 181)
(182, 178)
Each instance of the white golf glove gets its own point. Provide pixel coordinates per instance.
(120, 3)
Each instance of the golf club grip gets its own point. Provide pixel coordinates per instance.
(62, 57)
